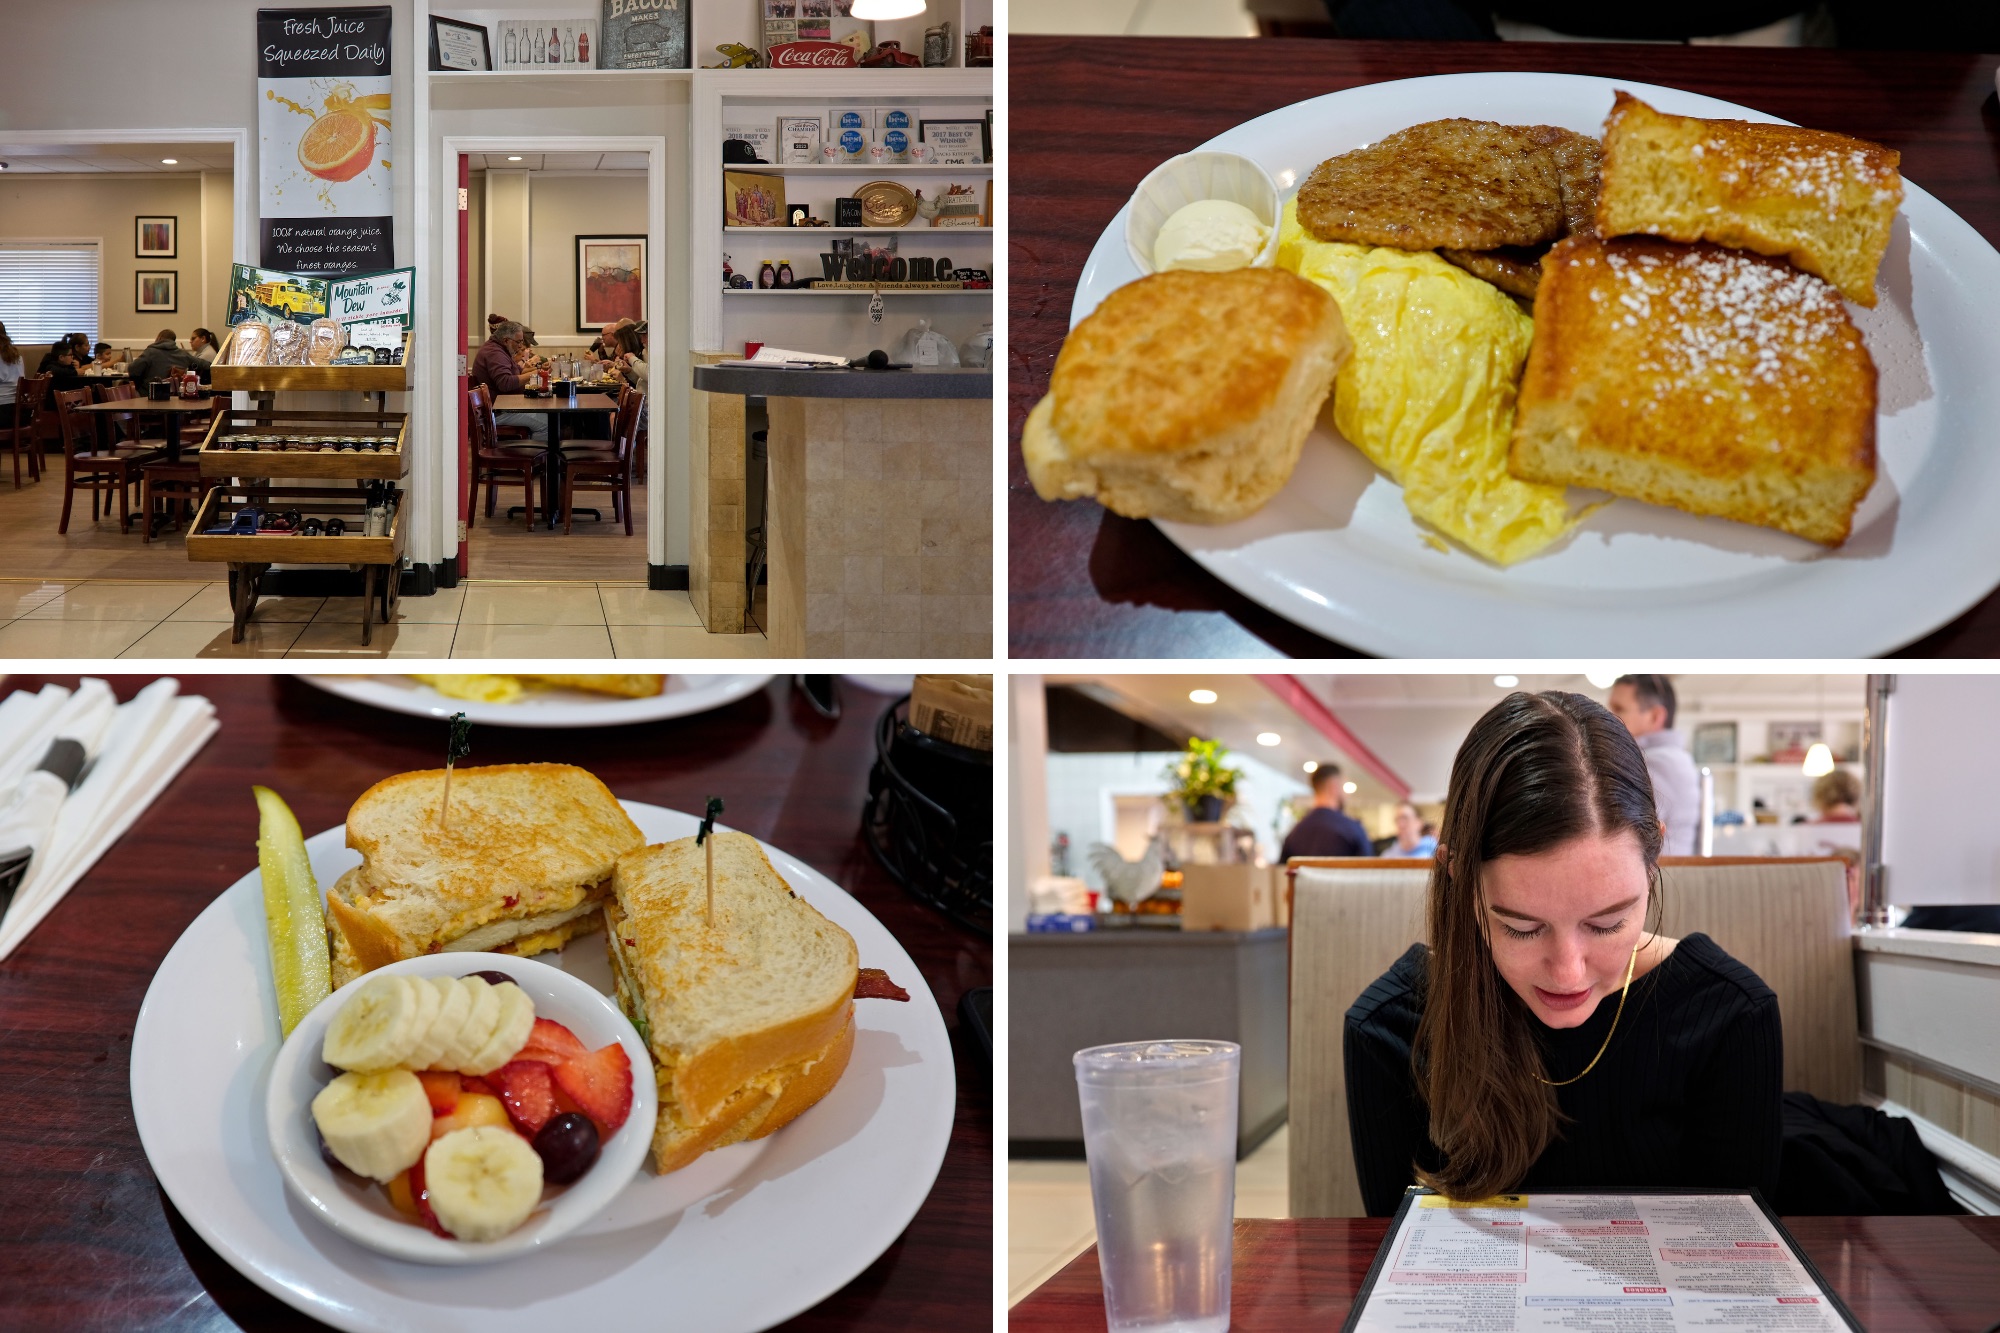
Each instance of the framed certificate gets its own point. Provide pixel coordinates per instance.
(958, 142)
(456, 45)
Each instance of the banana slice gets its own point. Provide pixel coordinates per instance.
(483, 1182)
(510, 1033)
(377, 1028)
(376, 1124)
(454, 1003)
(480, 1021)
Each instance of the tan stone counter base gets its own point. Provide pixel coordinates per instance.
(880, 514)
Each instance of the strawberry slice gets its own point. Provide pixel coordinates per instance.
(528, 1092)
(442, 1087)
(474, 1083)
(551, 1043)
(422, 1194)
(601, 1083)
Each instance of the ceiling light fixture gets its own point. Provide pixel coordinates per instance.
(1601, 679)
(1349, 788)
(170, 161)
(1819, 760)
(513, 159)
(1312, 765)
(1201, 696)
(1268, 738)
(1506, 682)
(887, 9)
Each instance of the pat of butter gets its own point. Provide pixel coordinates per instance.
(1212, 235)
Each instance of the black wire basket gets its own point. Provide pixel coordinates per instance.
(929, 819)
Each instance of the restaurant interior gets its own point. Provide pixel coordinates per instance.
(653, 538)
(1842, 849)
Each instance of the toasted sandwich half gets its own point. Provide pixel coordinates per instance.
(522, 864)
(749, 1014)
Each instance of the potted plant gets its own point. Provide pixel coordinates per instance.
(1203, 784)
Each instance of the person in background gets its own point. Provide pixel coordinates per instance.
(630, 340)
(1645, 704)
(72, 350)
(1503, 1054)
(164, 355)
(607, 346)
(1837, 797)
(12, 366)
(203, 344)
(1411, 839)
(1327, 829)
(495, 365)
(106, 355)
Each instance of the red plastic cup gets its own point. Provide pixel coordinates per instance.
(751, 349)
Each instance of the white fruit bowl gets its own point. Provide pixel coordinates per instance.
(360, 1211)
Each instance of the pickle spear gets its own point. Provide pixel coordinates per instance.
(299, 962)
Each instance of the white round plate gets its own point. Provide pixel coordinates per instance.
(684, 695)
(358, 1210)
(1337, 552)
(745, 1237)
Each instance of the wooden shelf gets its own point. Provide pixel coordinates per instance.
(288, 548)
(355, 465)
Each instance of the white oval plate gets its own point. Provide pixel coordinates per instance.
(745, 1237)
(1337, 552)
(361, 1212)
(684, 695)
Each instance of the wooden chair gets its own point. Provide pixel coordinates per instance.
(178, 487)
(611, 471)
(1786, 920)
(30, 401)
(89, 466)
(493, 464)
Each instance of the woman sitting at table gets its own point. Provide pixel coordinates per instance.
(202, 344)
(1546, 1038)
(12, 364)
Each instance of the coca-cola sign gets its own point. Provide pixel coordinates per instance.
(812, 55)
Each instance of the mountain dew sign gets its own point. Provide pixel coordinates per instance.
(373, 297)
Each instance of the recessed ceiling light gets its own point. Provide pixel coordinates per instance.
(513, 159)
(170, 161)
(1268, 738)
(1506, 682)
(1349, 788)
(1201, 696)
(1312, 765)
(1603, 680)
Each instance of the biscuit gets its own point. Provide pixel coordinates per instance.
(1187, 395)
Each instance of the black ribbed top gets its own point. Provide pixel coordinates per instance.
(1687, 1094)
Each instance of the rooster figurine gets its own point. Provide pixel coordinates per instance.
(1129, 882)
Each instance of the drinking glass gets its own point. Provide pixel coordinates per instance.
(1159, 1130)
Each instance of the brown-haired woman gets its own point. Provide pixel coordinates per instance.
(11, 367)
(1547, 1038)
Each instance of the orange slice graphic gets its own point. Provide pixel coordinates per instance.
(339, 146)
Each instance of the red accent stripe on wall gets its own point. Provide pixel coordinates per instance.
(1308, 706)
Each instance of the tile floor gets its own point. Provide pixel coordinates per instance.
(1049, 1221)
(478, 618)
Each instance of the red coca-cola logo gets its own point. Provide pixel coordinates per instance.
(812, 55)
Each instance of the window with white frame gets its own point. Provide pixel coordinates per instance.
(49, 288)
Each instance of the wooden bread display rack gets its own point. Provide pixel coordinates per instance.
(305, 445)
(269, 379)
(250, 557)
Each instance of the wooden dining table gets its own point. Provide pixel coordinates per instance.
(589, 403)
(1896, 1274)
(88, 1240)
(170, 410)
(1093, 115)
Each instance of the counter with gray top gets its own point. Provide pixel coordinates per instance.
(845, 382)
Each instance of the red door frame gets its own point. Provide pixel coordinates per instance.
(467, 489)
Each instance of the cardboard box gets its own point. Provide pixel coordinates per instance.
(1228, 897)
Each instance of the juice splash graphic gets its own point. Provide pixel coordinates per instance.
(340, 144)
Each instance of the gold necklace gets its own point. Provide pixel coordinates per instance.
(1630, 968)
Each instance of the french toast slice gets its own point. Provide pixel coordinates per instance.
(1823, 200)
(1709, 379)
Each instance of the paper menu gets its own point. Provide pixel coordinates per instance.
(1592, 1260)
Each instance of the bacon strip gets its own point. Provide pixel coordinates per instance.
(874, 984)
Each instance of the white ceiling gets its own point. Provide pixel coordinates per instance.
(558, 161)
(50, 159)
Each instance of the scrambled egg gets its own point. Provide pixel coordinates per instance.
(1429, 393)
(478, 689)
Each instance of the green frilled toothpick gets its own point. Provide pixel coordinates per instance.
(456, 748)
(705, 837)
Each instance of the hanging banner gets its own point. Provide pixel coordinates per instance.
(324, 191)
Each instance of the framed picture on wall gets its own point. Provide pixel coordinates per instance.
(456, 45)
(1715, 743)
(156, 238)
(610, 280)
(159, 292)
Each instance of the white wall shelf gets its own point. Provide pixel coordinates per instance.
(584, 77)
(856, 231)
(888, 292)
(862, 168)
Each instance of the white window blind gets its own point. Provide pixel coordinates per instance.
(48, 289)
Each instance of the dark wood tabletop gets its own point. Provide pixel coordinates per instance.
(1091, 116)
(602, 401)
(87, 1238)
(1897, 1274)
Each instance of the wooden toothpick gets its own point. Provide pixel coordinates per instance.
(705, 837)
(456, 748)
